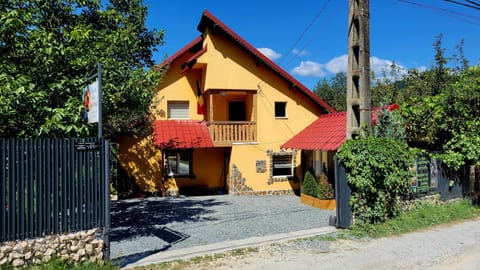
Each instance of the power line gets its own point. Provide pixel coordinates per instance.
(313, 37)
(473, 2)
(457, 15)
(463, 4)
(306, 30)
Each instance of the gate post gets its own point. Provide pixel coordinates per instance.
(342, 197)
(106, 181)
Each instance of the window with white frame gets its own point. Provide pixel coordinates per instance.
(280, 109)
(179, 163)
(177, 110)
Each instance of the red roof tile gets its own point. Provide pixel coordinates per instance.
(181, 134)
(327, 133)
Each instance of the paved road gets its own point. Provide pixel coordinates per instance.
(142, 227)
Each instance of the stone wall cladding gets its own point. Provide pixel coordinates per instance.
(74, 247)
(267, 193)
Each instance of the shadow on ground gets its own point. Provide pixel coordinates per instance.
(152, 217)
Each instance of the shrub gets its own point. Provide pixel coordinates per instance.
(309, 185)
(378, 175)
(324, 189)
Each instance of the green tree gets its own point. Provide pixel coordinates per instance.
(334, 91)
(49, 48)
(448, 123)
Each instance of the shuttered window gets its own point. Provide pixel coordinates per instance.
(177, 110)
(282, 165)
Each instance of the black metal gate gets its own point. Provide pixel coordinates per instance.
(342, 197)
(52, 186)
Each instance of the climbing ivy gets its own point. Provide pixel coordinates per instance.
(378, 173)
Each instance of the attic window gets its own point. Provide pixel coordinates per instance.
(280, 109)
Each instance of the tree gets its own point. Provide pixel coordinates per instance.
(334, 91)
(49, 48)
(448, 123)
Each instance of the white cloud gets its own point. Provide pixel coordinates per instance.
(309, 69)
(340, 64)
(337, 64)
(300, 53)
(271, 54)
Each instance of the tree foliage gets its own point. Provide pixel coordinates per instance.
(449, 123)
(378, 175)
(334, 91)
(49, 48)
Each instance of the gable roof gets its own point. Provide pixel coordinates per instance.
(326, 133)
(181, 134)
(209, 20)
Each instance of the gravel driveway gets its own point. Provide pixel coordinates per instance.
(141, 227)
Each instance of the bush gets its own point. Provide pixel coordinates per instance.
(378, 175)
(309, 185)
(324, 189)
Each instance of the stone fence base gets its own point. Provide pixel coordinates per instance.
(74, 247)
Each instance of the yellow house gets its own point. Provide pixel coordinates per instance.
(223, 110)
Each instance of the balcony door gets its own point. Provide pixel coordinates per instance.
(237, 111)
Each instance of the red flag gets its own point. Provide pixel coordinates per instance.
(200, 102)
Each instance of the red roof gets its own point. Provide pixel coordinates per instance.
(181, 134)
(327, 133)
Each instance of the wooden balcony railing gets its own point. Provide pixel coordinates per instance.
(227, 132)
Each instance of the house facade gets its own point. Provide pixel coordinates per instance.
(222, 111)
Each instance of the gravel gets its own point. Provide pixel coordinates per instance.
(141, 227)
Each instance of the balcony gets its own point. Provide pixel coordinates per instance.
(224, 133)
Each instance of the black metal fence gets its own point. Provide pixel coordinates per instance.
(51, 186)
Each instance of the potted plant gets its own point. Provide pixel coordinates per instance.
(325, 193)
(317, 192)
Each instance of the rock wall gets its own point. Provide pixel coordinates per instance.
(74, 247)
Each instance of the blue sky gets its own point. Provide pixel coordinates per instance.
(309, 38)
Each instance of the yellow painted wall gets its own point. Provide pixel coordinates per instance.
(232, 68)
(225, 66)
(207, 167)
(142, 160)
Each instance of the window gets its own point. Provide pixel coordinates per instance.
(177, 110)
(280, 109)
(282, 165)
(179, 163)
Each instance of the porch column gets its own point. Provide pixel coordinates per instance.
(210, 109)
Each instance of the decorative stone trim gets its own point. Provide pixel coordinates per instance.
(268, 193)
(271, 179)
(238, 185)
(74, 247)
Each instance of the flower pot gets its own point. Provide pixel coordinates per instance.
(318, 203)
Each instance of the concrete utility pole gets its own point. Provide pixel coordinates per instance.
(359, 113)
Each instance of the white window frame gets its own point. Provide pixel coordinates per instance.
(284, 109)
(178, 109)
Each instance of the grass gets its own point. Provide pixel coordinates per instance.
(423, 216)
(201, 261)
(58, 264)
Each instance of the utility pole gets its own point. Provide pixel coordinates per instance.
(359, 113)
